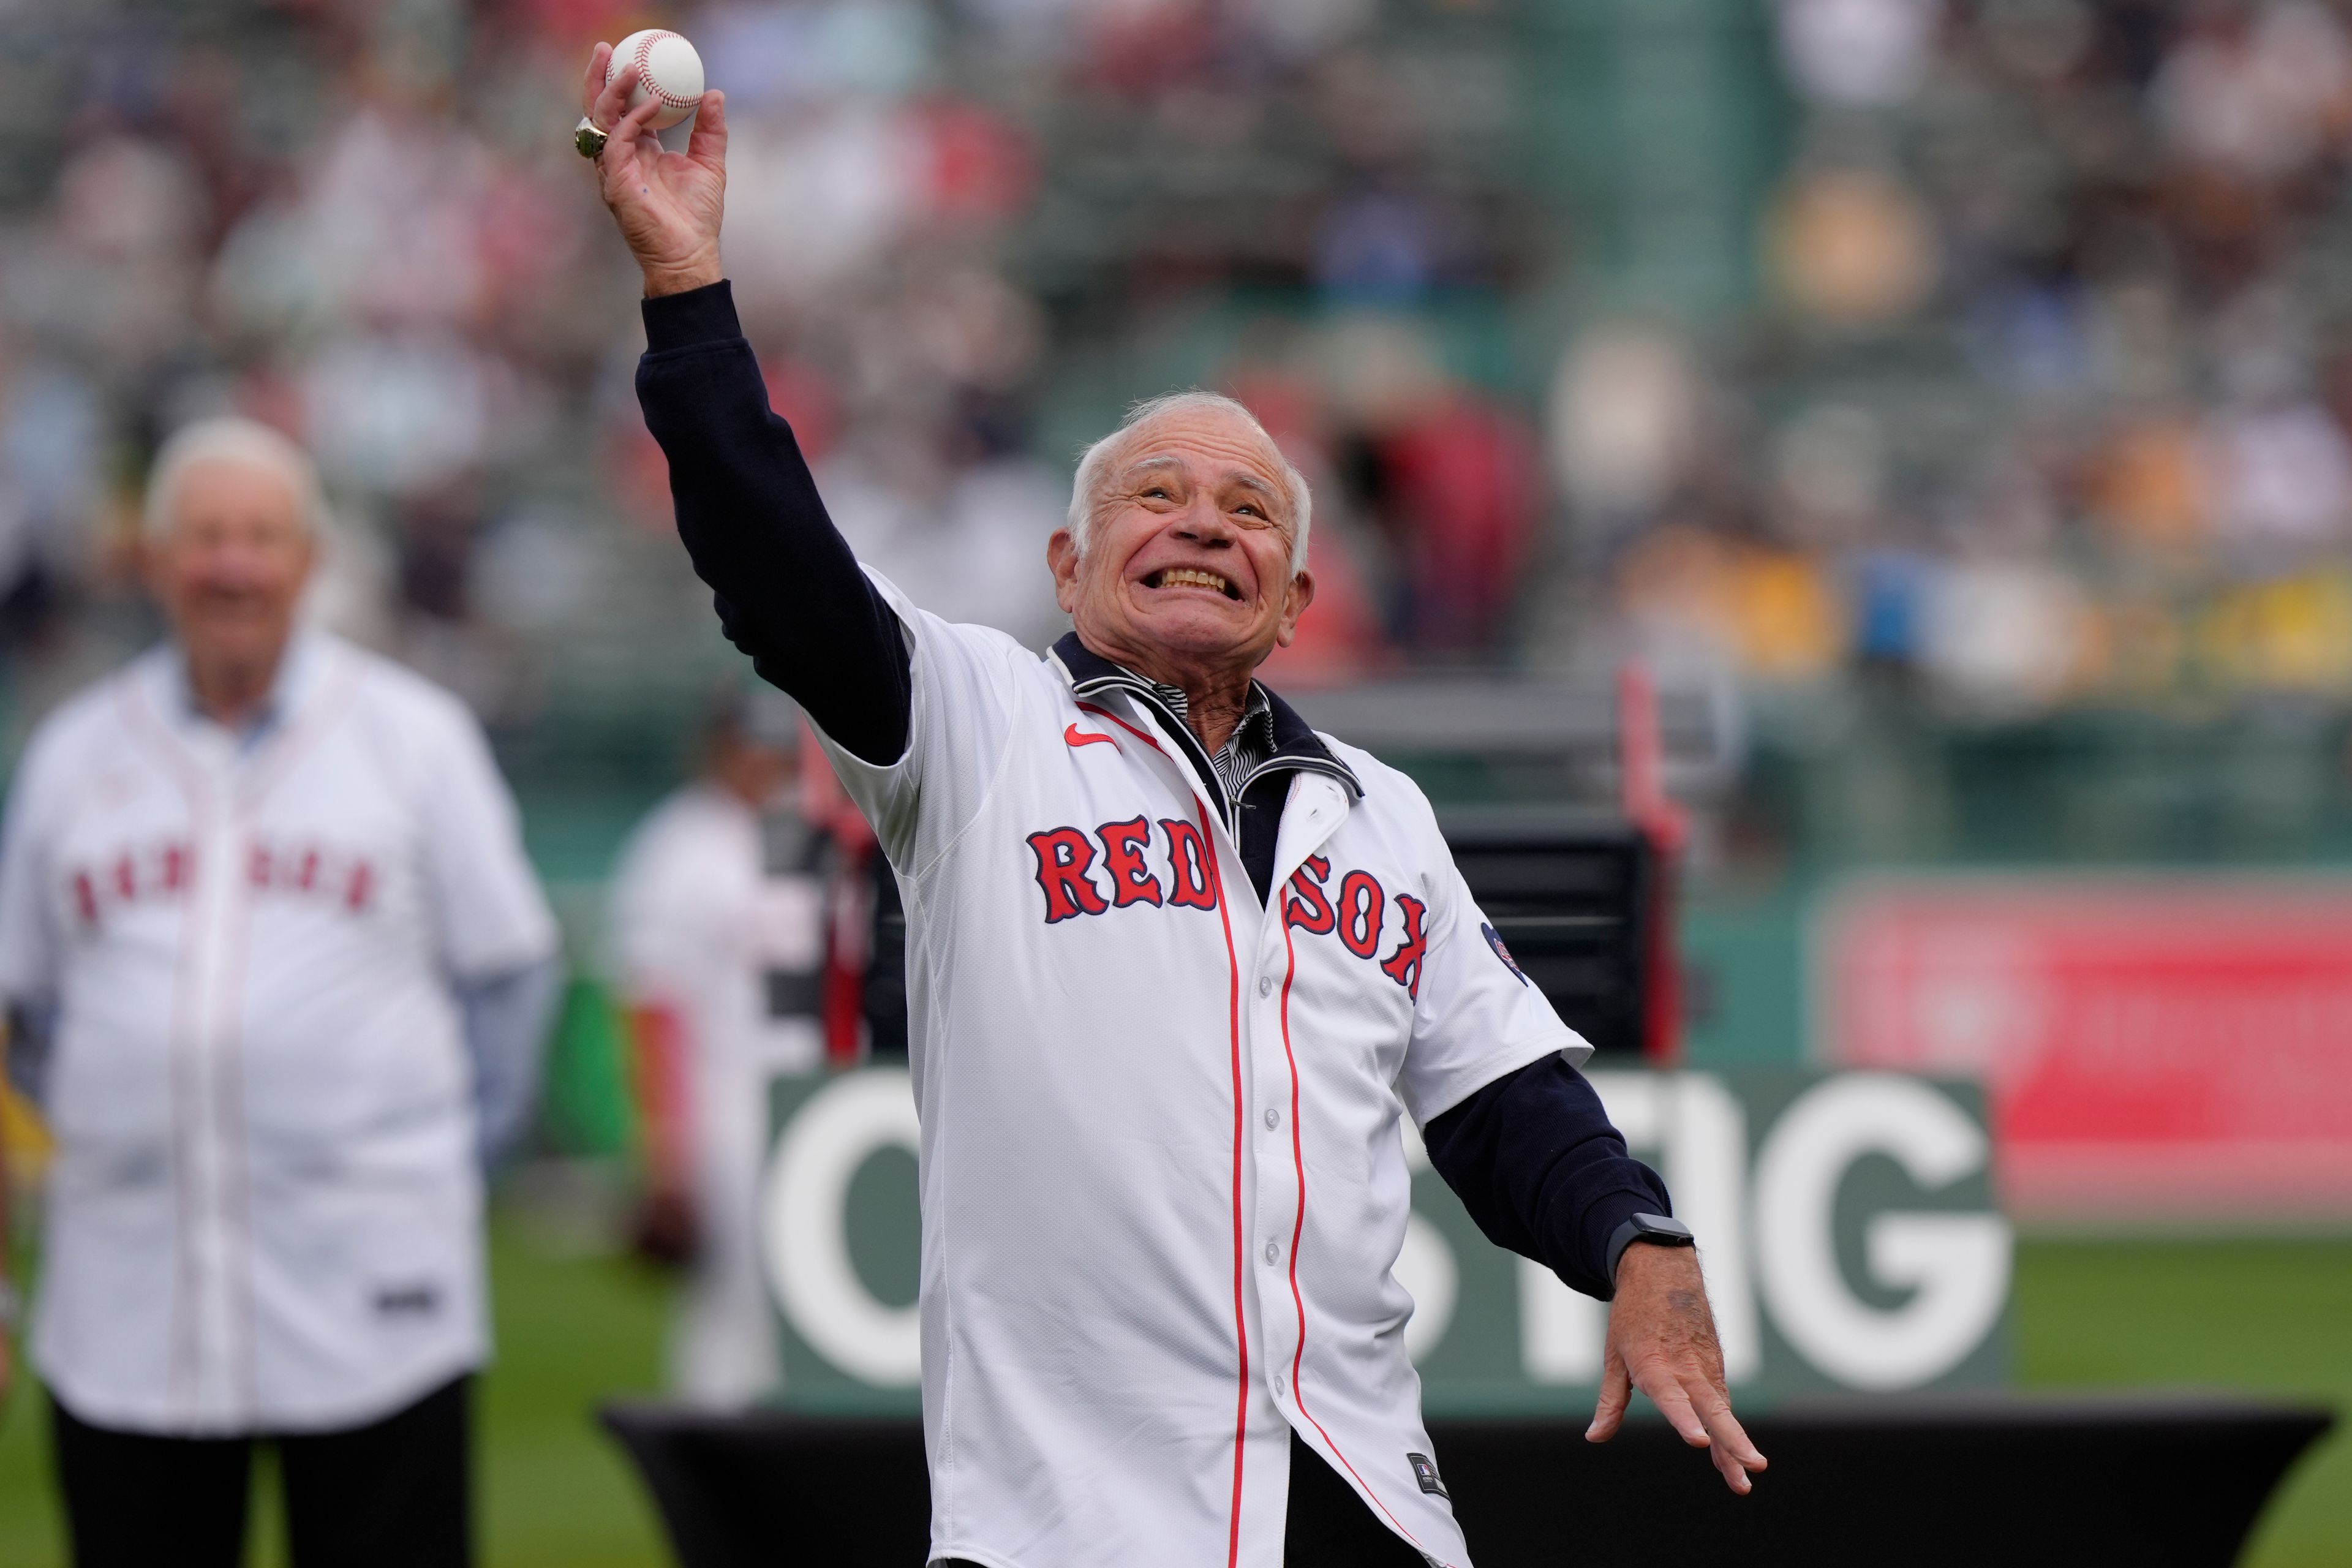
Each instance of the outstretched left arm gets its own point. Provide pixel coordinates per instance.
(1662, 1341)
(1534, 1158)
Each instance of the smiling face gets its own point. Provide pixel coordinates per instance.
(230, 564)
(1186, 576)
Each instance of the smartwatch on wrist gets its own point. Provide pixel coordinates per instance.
(1651, 1227)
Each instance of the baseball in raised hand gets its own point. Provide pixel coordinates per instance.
(668, 205)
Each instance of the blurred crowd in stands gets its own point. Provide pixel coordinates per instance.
(2051, 402)
(2040, 394)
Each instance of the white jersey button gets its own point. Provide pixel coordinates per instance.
(1266, 985)
(1273, 1118)
(1273, 1253)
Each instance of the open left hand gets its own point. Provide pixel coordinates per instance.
(1662, 1341)
(668, 205)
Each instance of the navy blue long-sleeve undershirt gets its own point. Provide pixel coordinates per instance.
(1532, 1155)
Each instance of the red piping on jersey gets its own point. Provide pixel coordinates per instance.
(1240, 1257)
(1240, 1262)
(1298, 1228)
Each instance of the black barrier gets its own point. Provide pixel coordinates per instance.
(1573, 896)
(1918, 1483)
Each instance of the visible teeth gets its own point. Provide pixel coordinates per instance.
(1191, 577)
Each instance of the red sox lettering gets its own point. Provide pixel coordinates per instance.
(161, 871)
(1358, 919)
(136, 875)
(1068, 859)
(1131, 881)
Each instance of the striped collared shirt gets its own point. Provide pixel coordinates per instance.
(1251, 743)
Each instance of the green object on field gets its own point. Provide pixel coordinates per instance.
(586, 1111)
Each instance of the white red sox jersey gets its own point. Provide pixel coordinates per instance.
(264, 1212)
(1163, 1185)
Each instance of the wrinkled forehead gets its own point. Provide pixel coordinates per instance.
(1204, 444)
(216, 482)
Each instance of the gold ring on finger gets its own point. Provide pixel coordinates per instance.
(588, 138)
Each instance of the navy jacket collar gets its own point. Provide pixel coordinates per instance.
(1296, 743)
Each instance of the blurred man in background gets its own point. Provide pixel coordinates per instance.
(278, 973)
(719, 915)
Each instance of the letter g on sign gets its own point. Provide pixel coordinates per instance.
(1955, 1264)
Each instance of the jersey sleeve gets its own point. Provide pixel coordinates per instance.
(1476, 1016)
(966, 684)
(489, 915)
(28, 940)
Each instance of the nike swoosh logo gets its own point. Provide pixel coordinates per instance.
(1077, 737)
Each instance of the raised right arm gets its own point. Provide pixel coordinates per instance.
(788, 590)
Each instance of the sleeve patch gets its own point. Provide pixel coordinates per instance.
(1494, 941)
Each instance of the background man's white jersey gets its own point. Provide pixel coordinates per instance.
(711, 921)
(264, 1213)
(1163, 1184)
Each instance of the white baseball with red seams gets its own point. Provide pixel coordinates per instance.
(1163, 1185)
(668, 68)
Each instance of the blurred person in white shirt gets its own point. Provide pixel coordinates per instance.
(278, 973)
(718, 947)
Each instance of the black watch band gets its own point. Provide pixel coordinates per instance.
(1656, 1227)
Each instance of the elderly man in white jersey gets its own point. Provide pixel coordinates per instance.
(278, 973)
(1178, 967)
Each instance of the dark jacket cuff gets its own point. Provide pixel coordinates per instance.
(695, 318)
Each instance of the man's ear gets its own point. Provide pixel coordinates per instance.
(1062, 560)
(1300, 594)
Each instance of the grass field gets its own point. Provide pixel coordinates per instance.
(555, 1493)
(2270, 1316)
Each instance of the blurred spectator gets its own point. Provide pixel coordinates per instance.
(50, 433)
(718, 939)
(2103, 235)
(2255, 92)
(1859, 52)
(2280, 479)
(2002, 637)
(1446, 476)
(1625, 423)
(1853, 247)
(277, 974)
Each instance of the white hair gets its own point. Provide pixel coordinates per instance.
(245, 442)
(1095, 462)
